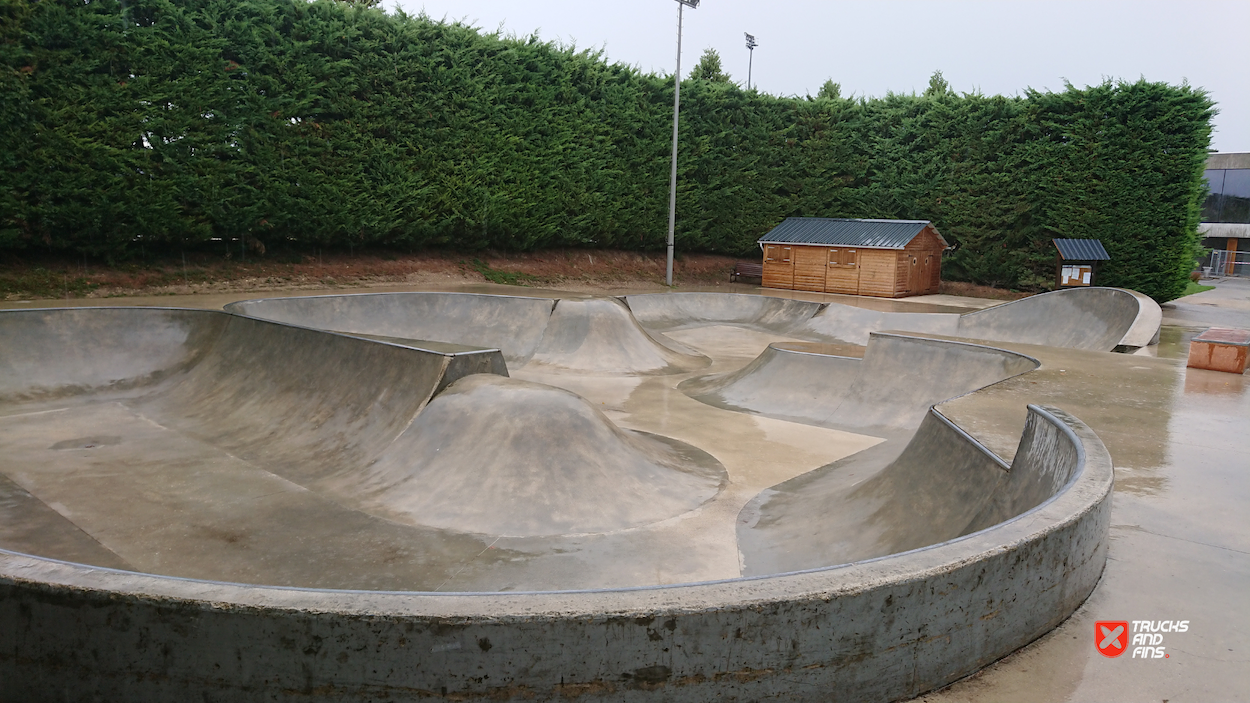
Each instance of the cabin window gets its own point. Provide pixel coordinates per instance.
(842, 258)
(776, 254)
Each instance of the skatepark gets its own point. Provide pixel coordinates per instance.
(677, 496)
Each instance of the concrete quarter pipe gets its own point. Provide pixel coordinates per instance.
(207, 504)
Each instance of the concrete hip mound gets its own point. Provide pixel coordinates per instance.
(498, 456)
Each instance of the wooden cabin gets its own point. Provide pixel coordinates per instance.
(883, 258)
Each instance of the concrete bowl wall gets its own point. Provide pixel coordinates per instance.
(878, 630)
(512, 324)
(1096, 319)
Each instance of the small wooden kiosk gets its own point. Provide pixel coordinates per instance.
(1077, 262)
(883, 258)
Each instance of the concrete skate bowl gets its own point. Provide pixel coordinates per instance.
(1097, 319)
(597, 335)
(200, 503)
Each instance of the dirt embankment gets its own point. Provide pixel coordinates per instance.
(50, 277)
(34, 278)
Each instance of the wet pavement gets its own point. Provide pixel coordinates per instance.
(1180, 543)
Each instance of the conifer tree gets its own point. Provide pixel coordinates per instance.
(830, 90)
(709, 68)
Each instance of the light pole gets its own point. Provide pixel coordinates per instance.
(672, 185)
(750, 45)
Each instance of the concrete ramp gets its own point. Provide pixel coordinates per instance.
(50, 354)
(595, 335)
(826, 322)
(664, 311)
(1094, 319)
(1097, 319)
(511, 324)
(600, 335)
(499, 456)
(853, 325)
(785, 382)
(303, 402)
(941, 486)
(892, 387)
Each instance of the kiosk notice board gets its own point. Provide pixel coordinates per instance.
(1077, 261)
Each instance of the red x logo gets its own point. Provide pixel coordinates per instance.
(1111, 637)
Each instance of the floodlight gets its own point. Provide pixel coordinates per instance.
(751, 61)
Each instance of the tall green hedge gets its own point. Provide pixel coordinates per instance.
(141, 125)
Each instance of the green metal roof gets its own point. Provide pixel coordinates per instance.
(1081, 250)
(872, 234)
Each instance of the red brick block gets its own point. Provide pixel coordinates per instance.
(1220, 349)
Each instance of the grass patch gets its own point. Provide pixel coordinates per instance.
(1195, 288)
(507, 278)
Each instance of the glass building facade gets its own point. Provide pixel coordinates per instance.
(1225, 224)
(1229, 200)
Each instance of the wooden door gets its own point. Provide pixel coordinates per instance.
(809, 268)
(778, 266)
(843, 270)
(916, 279)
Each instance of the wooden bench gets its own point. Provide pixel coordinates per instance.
(742, 269)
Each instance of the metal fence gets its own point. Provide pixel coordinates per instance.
(1229, 263)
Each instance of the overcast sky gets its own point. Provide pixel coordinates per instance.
(871, 48)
